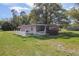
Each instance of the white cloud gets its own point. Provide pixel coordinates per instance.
(69, 7)
(19, 9)
(14, 4)
(30, 4)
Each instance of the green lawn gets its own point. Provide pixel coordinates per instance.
(66, 43)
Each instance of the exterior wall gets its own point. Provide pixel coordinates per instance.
(26, 29)
(34, 30)
(31, 30)
(37, 33)
(40, 33)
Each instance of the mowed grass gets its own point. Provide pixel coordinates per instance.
(64, 44)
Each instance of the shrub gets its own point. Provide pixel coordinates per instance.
(73, 28)
(6, 26)
(52, 30)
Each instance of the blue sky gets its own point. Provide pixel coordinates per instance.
(5, 8)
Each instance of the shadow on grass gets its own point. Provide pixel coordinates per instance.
(40, 37)
(62, 35)
(67, 35)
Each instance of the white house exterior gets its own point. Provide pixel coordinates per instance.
(32, 29)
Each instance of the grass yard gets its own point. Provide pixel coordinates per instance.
(65, 44)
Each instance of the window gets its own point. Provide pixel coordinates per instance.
(40, 28)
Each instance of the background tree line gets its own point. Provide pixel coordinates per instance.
(44, 13)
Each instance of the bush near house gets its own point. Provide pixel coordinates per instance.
(6, 26)
(52, 30)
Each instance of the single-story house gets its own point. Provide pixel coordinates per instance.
(38, 29)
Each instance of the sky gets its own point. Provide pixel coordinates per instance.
(5, 8)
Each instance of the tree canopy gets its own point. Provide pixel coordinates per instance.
(48, 13)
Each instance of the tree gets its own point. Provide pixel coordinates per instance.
(22, 13)
(15, 20)
(33, 17)
(74, 13)
(1, 22)
(19, 18)
(47, 13)
(6, 26)
(24, 18)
